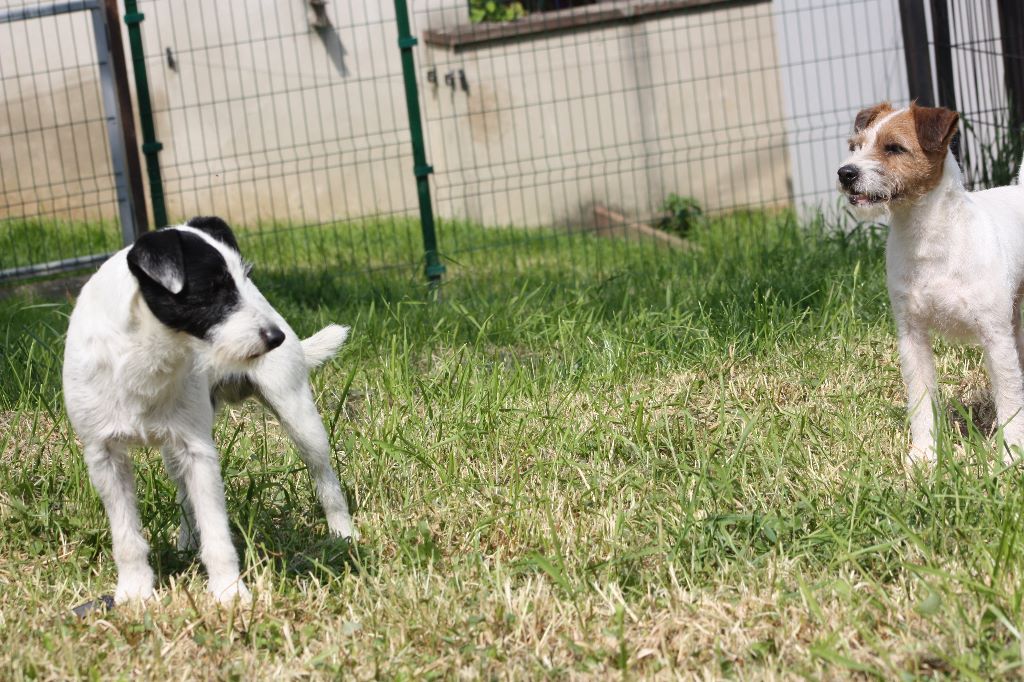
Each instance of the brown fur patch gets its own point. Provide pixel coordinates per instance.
(866, 116)
(935, 127)
(911, 148)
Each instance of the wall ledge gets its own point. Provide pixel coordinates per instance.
(542, 24)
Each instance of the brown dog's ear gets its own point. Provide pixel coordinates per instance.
(866, 116)
(935, 127)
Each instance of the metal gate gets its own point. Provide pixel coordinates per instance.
(67, 148)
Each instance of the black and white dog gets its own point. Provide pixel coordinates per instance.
(164, 331)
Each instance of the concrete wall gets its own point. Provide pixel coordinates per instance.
(54, 156)
(820, 39)
(264, 119)
(619, 115)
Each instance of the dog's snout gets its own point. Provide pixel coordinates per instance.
(848, 174)
(272, 336)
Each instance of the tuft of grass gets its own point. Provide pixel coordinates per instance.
(591, 457)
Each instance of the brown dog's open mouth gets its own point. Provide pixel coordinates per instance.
(866, 199)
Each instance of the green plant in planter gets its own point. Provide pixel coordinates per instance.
(681, 212)
(495, 10)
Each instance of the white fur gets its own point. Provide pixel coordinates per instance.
(322, 346)
(955, 266)
(130, 380)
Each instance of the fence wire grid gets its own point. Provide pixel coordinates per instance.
(556, 131)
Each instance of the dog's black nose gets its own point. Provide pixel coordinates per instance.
(848, 174)
(272, 336)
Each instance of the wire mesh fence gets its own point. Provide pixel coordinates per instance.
(58, 196)
(991, 143)
(294, 132)
(569, 135)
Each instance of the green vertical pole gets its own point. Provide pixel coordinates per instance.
(150, 147)
(422, 170)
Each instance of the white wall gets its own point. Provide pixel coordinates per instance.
(619, 115)
(818, 39)
(264, 119)
(54, 156)
(832, 63)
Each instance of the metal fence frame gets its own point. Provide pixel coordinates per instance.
(923, 55)
(151, 147)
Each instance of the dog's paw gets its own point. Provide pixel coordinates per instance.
(227, 590)
(921, 457)
(135, 585)
(344, 530)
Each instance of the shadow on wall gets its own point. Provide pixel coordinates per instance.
(335, 50)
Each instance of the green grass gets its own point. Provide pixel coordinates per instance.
(32, 241)
(591, 458)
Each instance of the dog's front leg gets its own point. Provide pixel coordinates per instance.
(197, 466)
(917, 362)
(1004, 371)
(188, 534)
(110, 470)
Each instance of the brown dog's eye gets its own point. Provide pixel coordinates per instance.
(895, 149)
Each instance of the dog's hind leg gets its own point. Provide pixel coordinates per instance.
(110, 470)
(188, 534)
(293, 404)
(197, 466)
(1004, 371)
(1018, 327)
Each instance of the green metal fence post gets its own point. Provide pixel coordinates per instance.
(421, 169)
(150, 147)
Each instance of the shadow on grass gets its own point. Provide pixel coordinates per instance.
(751, 278)
(745, 271)
(975, 416)
(290, 551)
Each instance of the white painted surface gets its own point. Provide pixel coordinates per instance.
(620, 115)
(265, 120)
(834, 59)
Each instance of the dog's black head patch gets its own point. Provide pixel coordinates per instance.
(216, 228)
(184, 280)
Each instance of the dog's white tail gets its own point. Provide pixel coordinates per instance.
(322, 346)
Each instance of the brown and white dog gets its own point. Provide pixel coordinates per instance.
(954, 259)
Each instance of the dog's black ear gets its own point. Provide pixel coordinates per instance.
(866, 116)
(216, 228)
(157, 256)
(935, 127)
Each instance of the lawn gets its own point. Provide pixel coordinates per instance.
(33, 241)
(593, 457)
